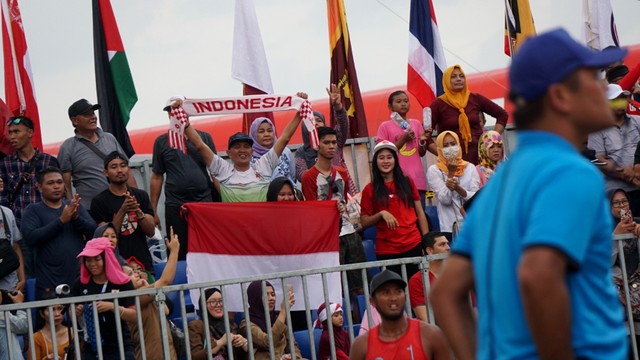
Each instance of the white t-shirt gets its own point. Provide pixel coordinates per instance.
(450, 202)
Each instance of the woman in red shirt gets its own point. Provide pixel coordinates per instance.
(391, 202)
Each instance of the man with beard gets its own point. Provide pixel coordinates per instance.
(398, 337)
(57, 229)
(128, 208)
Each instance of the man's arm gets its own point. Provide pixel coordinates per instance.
(433, 339)
(67, 184)
(84, 223)
(359, 347)
(145, 214)
(546, 301)
(287, 133)
(35, 233)
(420, 312)
(154, 194)
(450, 300)
(206, 153)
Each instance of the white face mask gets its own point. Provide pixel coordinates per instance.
(451, 152)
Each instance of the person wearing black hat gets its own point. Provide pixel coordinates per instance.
(187, 180)
(536, 244)
(18, 171)
(397, 336)
(241, 180)
(81, 155)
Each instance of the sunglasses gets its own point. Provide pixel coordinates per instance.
(333, 185)
(20, 120)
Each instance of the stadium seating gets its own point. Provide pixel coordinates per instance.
(432, 214)
(370, 255)
(302, 338)
(180, 278)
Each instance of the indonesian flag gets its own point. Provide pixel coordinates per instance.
(426, 56)
(5, 114)
(599, 27)
(114, 84)
(18, 79)
(343, 69)
(233, 240)
(518, 25)
(249, 61)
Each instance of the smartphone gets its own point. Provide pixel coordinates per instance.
(624, 214)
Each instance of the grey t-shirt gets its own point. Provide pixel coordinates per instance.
(85, 166)
(185, 180)
(10, 281)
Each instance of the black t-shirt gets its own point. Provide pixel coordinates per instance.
(107, 319)
(185, 173)
(132, 241)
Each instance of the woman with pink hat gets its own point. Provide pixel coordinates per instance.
(101, 273)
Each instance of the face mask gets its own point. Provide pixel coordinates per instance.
(451, 152)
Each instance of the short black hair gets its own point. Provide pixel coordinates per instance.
(17, 120)
(394, 94)
(48, 170)
(429, 239)
(325, 130)
(112, 156)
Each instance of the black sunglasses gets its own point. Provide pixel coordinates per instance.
(20, 120)
(333, 185)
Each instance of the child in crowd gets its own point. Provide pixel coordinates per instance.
(340, 335)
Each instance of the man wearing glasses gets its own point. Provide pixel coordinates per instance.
(325, 181)
(18, 171)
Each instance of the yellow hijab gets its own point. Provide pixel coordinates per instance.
(458, 100)
(442, 162)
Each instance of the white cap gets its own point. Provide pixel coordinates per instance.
(384, 144)
(172, 100)
(614, 91)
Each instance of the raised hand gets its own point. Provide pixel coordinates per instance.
(335, 96)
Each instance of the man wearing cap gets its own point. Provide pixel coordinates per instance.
(18, 171)
(240, 180)
(616, 146)
(128, 208)
(397, 337)
(82, 155)
(57, 229)
(541, 266)
(187, 181)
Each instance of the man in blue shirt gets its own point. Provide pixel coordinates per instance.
(536, 245)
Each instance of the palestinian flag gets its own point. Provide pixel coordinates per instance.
(343, 69)
(116, 92)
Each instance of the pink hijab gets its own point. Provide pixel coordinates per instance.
(112, 268)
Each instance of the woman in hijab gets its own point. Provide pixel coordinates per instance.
(458, 110)
(452, 179)
(340, 335)
(490, 152)
(219, 338)
(264, 135)
(108, 230)
(306, 155)
(259, 323)
(281, 189)
(101, 273)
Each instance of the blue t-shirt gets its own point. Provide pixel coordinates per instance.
(553, 197)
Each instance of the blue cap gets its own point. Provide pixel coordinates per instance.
(549, 58)
(239, 137)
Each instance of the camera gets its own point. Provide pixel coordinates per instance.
(63, 290)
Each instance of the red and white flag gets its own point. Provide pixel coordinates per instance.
(233, 240)
(249, 61)
(18, 79)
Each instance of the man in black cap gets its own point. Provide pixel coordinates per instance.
(397, 336)
(19, 171)
(81, 156)
(541, 264)
(187, 180)
(242, 181)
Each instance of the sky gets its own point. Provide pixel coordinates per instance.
(184, 47)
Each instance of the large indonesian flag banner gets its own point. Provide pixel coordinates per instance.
(249, 61)
(518, 25)
(114, 84)
(233, 240)
(343, 69)
(18, 79)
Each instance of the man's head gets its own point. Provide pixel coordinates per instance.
(20, 130)
(387, 294)
(240, 149)
(327, 142)
(616, 73)
(618, 100)
(552, 73)
(116, 168)
(51, 184)
(82, 115)
(434, 242)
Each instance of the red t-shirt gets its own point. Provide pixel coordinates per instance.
(416, 288)
(408, 347)
(406, 235)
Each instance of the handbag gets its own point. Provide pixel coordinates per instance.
(634, 291)
(179, 343)
(8, 258)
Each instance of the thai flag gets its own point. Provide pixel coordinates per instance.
(426, 56)
(233, 240)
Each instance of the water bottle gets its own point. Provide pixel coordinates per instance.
(426, 118)
(402, 122)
